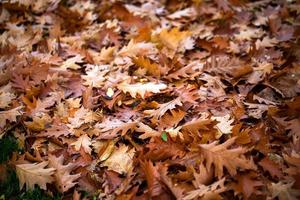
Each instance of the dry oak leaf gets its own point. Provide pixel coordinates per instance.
(38, 106)
(284, 191)
(247, 185)
(138, 49)
(193, 126)
(141, 88)
(220, 157)
(272, 167)
(163, 108)
(145, 64)
(188, 93)
(266, 42)
(56, 130)
(187, 12)
(9, 115)
(171, 119)
(81, 116)
(35, 173)
(146, 130)
(38, 123)
(121, 160)
(106, 54)
(173, 37)
(83, 142)
(206, 191)
(228, 67)
(190, 71)
(176, 189)
(110, 128)
(70, 63)
(6, 99)
(95, 75)
(294, 163)
(63, 177)
(204, 176)
(224, 124)
(162, 150)
(174, 132)
(260, 72)
(248, 33)
(152, 177)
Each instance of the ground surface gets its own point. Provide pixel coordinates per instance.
(149, 99)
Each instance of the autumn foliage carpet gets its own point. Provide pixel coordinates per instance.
(157, 99)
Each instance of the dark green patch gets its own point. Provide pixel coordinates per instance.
(36, 194)
(8, 145)
(10, 187)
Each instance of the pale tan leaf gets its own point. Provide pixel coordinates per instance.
(35, 173)
(71, 63)
(266, 42)
(106, 54)
(110, 128)
(95, 75)
(284, 191)
(83, 142)
(215, 188)
(141, 88)
(224, 124)
(174, 132)
(5, 99)
(9, 115)
(138, 49)
(81, 116)
(187, 12)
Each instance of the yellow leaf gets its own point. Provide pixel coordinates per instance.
(172, 38)
(151, 68)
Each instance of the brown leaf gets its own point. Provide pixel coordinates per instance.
(271, 167)
(153, 178)
(247, 184)
(63, 177)
(221, 157)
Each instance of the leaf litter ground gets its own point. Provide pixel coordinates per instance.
(150, 99)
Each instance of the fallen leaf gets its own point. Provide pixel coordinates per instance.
(35, 173)
(83, 142)
(141, 88)
(121, 160)
(220, 157)
(63, 177)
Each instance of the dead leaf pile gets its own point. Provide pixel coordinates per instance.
(153, 99)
